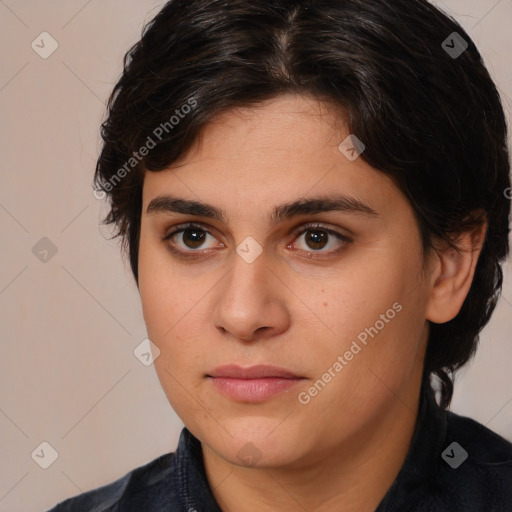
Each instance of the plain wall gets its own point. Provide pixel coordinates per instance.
(69, 326)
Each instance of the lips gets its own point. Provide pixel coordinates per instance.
(254, 384)
(254, 372)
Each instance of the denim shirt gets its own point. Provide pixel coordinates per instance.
(453, 464)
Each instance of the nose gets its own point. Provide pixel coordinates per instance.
(251, 301)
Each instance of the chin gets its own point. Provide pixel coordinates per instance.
(254, 442)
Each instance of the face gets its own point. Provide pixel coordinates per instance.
(334, 293)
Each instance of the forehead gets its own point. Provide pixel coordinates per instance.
(288, 147)
(282, 124)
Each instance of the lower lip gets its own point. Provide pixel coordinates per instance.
(253, 390)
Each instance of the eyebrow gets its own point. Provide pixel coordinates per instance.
(305, 206)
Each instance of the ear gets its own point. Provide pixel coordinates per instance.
(451, 274)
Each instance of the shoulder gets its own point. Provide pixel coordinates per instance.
(485, 446)
(475, 467)
(140, 489)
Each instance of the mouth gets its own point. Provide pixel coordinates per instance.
(254, 384)
(260, 371)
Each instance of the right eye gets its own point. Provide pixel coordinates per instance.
(193, 236)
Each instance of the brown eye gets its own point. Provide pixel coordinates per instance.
(187, 239)
(193, 238)
(316, 239)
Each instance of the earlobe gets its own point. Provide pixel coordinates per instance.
(453, 274)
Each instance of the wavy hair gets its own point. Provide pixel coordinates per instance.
(430, 119)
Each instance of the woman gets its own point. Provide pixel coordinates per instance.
(312, 195)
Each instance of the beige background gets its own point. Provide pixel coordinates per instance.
(69, 326)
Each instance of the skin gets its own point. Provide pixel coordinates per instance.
(343, 449)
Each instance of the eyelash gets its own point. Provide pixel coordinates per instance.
(191, 254)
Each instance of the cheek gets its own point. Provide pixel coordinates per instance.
(156, 301)
(172, 307)
(158, 290)
(371, 311)
(353, 298)
(165, 309)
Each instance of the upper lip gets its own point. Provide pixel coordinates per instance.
(253, 372)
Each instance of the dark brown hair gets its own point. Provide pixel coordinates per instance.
(423, 104)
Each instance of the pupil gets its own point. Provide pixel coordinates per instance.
(196, 237)
(316, 239)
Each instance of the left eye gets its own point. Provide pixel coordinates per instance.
(317, 238)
